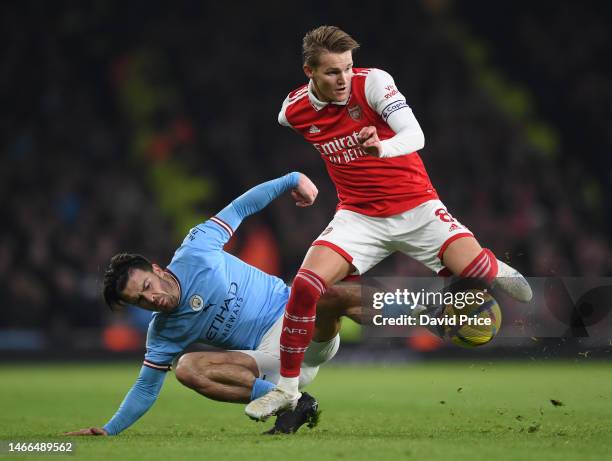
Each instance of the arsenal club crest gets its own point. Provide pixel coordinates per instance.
(355, 112)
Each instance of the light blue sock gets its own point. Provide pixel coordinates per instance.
(261, 387)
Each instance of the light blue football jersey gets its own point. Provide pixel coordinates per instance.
(224, 302)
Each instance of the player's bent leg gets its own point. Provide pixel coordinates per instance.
(223, 376)
(322, 267)
(340, 298)
(338, 301)
(327, 264)
(460, 253)
(358, 315)
(466, 258)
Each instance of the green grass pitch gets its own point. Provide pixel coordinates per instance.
(434, 411)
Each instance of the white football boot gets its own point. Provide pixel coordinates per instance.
(270, 404)
(512, 282)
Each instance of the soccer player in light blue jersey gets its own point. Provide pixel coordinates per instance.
(206, 295)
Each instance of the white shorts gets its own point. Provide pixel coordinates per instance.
(267, 355)
(423, 233)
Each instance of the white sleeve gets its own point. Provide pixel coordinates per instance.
(282, 118)
(384, 97)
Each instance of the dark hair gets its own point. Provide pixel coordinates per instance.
(325, 38)
(117, 274)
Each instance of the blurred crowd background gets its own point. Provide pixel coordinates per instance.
(126, 123)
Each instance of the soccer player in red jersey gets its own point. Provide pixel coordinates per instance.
(368, 137)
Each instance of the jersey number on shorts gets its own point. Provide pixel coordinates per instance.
(444, 215)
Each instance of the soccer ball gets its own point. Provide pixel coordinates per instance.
(473, 319)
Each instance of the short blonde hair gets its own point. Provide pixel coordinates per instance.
(325, 38)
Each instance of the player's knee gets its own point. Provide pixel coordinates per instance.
(182, 372)
(332, 299)
(338, 302)
(460, 253)
(185, 371)
(195, 374)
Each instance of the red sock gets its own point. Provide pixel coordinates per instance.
(484, 266)
(299, 321)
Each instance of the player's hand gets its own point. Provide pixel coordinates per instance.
(88, 431)
(305, 193)
(369, 142)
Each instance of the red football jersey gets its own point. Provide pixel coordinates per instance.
(369, 185)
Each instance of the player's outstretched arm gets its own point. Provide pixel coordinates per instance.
(137, 402)
(303, 191)
(214, 233)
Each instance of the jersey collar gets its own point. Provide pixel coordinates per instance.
(317, 104)
(178, 283)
